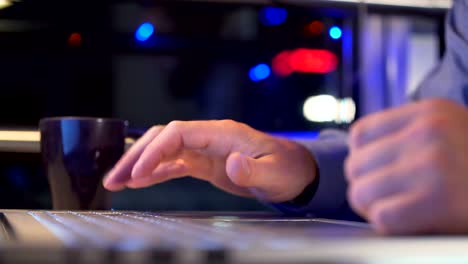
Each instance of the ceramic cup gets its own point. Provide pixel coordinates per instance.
(77, 152)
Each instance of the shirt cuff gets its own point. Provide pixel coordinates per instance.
(330, 151)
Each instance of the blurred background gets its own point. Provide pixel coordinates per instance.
(287, 67)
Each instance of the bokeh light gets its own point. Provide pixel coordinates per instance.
(304, 60)
(5, 4)
(259, 72)
(335, 32)
(326, 108)
(313, 61)
(144, 32)
(75, 39)
(280, 64)
(273, 16)
(321, 108)
(315, 28)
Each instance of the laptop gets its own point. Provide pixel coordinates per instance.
(196, 237)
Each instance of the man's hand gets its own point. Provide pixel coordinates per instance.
(408, 168)
(230, 155)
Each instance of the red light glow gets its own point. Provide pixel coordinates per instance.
(315, 28)
(75, 39)
(313, 61)
(281, 65)
(304, 61)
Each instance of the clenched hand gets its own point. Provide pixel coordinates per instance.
(408, 168)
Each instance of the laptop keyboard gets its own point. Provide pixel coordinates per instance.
(126, 229)
(146, 237)
(119, 237)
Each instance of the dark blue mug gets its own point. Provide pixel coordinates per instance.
(77, 152)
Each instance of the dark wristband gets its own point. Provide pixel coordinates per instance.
(307, 194)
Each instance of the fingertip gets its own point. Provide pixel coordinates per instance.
(377, 218)
(347, 169)
(113, 186)
(108, 179)
(357, 200)
(133, 185)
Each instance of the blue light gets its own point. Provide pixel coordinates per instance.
(144, 32)
(335, 33)
(297, 135)
(259, 72)
(273, 16)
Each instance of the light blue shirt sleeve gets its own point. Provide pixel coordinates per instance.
(330, 151)
(448, 80)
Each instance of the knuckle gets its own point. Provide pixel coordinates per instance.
(155, 129)
(434, 105)
(430, 128)
(229, 123)
(174, 125)
(232, 125)
(436, 159)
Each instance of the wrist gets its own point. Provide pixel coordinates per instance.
(310, 183)
(307, 194)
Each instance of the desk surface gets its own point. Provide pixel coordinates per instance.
(207, 237)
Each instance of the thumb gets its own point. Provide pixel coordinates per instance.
(260, 175)
(239, 169)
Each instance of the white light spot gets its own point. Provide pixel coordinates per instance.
(347, 110)
(321, 108)
(326, 108)
(5, 3)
